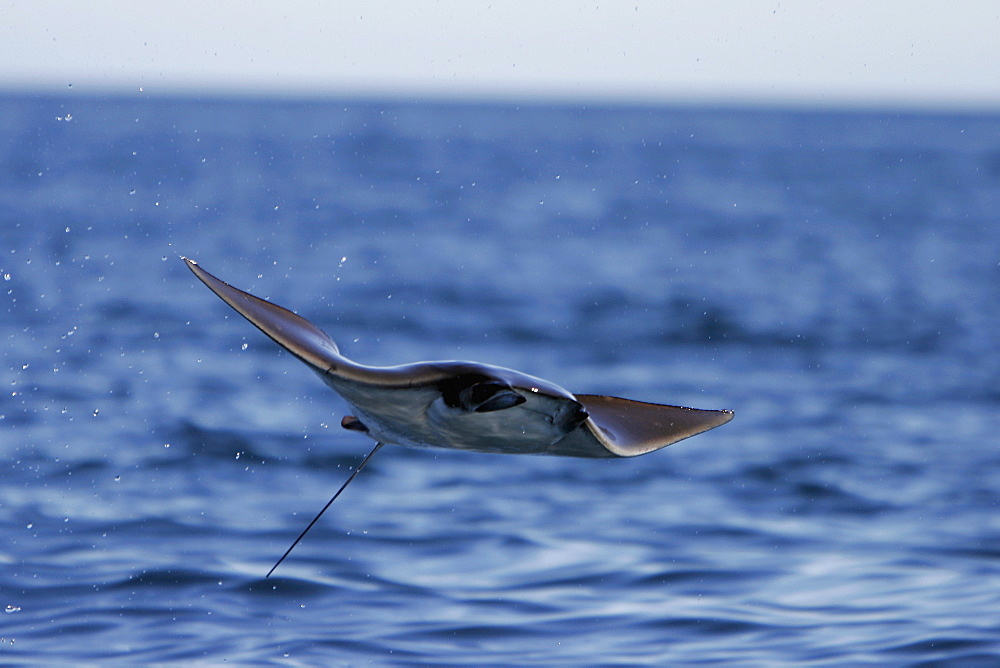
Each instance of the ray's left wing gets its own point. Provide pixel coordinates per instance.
(628, 428)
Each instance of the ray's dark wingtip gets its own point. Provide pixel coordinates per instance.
(194, 267)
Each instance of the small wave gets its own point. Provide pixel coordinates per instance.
(167, 578)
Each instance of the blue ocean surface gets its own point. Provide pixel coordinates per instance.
(833, 278)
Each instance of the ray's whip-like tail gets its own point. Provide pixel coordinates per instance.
(320, 514)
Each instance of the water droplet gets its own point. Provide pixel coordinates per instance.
(11, 609)
(118, 478)
(166, 445)
(245, 346)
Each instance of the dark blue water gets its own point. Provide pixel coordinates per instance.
(833, 278)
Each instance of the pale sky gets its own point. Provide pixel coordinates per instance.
(870, 52)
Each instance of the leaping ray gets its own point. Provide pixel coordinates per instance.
(466, 405)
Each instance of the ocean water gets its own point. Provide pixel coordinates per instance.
(834, 278)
